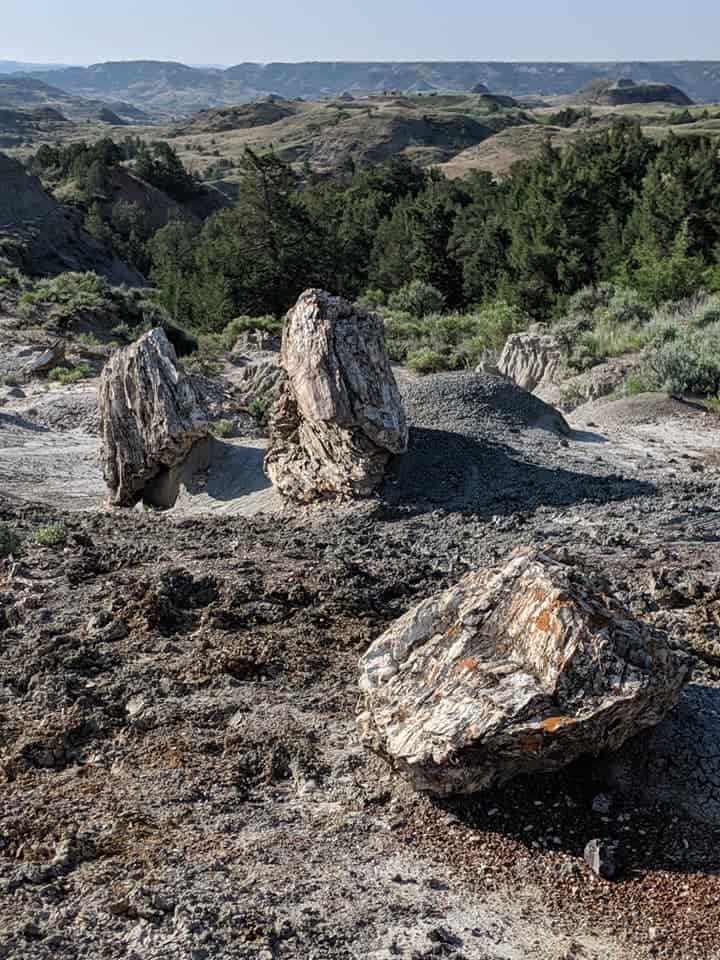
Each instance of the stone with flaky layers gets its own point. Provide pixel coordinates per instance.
(150, 416)
(339, 417)
(530, 359)
(519, 669)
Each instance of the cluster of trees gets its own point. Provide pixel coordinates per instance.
(614, 206)
(89, 165)
(81, 173)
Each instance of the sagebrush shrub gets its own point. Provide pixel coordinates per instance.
(9, 540)
(417, 298)
(688, 364)
(426, 361)
(52, 535)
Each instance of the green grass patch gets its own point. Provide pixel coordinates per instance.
(637, 383)
(222, 428)
(52, 535)
(459, 340)
(258, 408)
(426, 361)
(67, 375)
(88, 339)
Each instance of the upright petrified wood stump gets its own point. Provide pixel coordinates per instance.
(339, 417)
(150, 416)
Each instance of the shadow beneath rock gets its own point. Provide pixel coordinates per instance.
(213, 469)
(16, 420)
(460, 473)
(676, 763)
(554, 813)
(236, 471)
(587, 436)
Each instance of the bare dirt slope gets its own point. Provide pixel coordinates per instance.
(180, 772)
(52, 236)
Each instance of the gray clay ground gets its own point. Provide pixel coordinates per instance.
(177, 693)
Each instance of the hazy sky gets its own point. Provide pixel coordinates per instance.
(230, 31)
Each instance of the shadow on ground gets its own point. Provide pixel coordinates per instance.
(16, 420)
(662, 787)
(554, 813)
(460, 473)
(236, 471)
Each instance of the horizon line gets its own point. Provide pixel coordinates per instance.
(416, 60)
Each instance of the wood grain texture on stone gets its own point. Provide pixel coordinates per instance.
(150, 416)
(517, 669)
(339, 417)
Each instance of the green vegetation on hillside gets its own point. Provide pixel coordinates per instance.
(613, 206)
(453, 266)
(83, 175)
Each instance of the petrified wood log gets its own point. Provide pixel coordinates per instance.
(518, 669)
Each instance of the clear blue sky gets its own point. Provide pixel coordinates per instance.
(230, 31)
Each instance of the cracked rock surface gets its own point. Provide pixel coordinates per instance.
(517, 669)
(150, 416)
(339, 416)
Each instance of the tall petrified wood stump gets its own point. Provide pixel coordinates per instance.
(339, 417)
(150, 416)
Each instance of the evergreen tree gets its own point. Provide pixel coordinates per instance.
(172, 255)
(258, 257)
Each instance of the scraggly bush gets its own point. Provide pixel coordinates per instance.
(69, 293)
(211, 345)
(456, 340)
(67, 375)
(417, 298)
(240, 325)
(222, 428)
(69, 298)
(610, 321)
(426, 361)
(690, 363)
(9, 540)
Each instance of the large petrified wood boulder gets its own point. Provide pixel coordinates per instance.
(150, 416)
(516, 670)
(339, 417)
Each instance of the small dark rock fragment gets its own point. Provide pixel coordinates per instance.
(606, 858)
(602, 804)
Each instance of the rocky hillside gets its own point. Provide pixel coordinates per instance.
(331, 134)
(429, 138)
(625, 91)
(177, 88)
(157, 206)
(45, 237)
(241, 117)
(20, 66)
(27, 93)
(165, 88)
